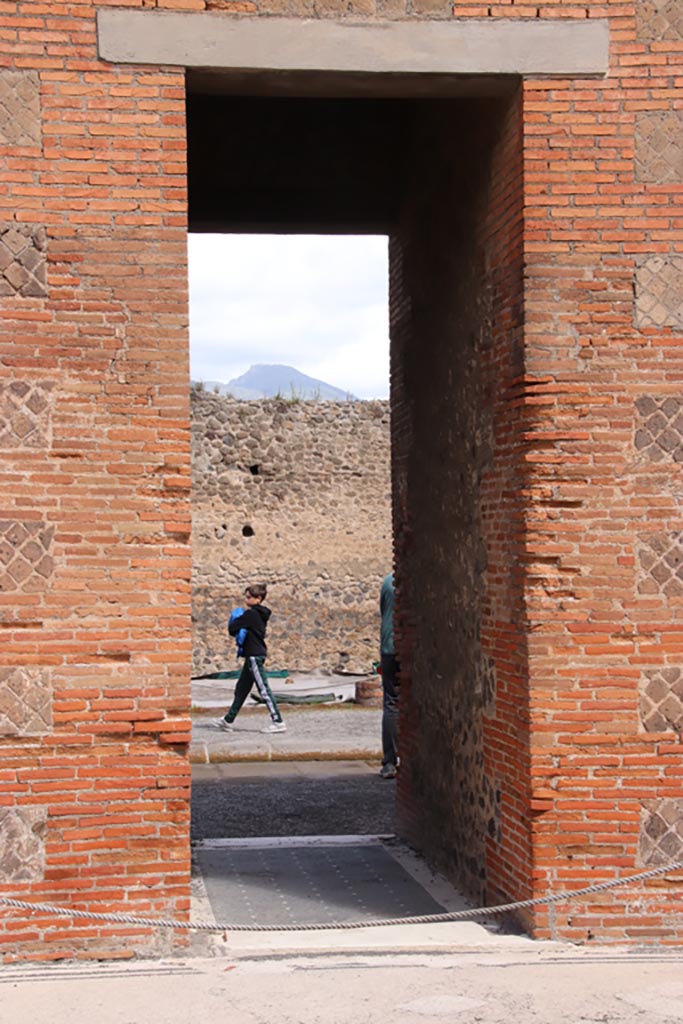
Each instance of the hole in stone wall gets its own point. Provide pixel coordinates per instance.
(255, 469)
(247, 531)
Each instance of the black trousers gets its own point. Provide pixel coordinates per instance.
(253, 672)
(390, 690)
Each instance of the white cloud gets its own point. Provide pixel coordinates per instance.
(318, 303)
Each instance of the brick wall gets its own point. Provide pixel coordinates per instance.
(94, 528)
(297, 494)
(603, 192)
(578, 509)
(579, 609)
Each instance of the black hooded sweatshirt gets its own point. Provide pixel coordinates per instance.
(254, 620)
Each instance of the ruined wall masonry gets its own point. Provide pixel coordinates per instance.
(94, 514)
(458, 583)
(298, 495)
(537, 494)
(567, 766)
(603, 171)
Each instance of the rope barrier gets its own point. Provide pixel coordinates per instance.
(456, 915)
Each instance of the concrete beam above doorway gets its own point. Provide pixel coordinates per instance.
(565, 48)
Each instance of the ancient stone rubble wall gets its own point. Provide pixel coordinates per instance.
(459, 594)
(298, 495)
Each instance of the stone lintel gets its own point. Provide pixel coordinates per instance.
(557, 47)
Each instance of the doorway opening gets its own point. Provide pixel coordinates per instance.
(291, 476)
(442, 178)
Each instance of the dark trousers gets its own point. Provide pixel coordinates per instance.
(253, 672)
(390, 690)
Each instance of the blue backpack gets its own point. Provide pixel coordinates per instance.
(242, 634)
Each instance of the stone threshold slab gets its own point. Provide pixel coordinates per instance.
(202, 753)
(557, 47)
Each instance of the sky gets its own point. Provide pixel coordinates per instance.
(315, 302)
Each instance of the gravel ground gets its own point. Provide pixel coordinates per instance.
(289, 799)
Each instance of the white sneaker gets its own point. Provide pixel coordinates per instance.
(224, 726)
(275, 727)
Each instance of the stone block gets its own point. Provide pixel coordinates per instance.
(661, 832)
(659, 292)
(391, 8)
(25, 701)
(22, 844)
(19, 108)
(485, 682)
(328, 42)
(658, 20)
(660, 562)
(659, 428)
(661, 700)
(433, 8)
(281, 7)
(25, 414)
(23, 260)
(659, 147)
(26, 562)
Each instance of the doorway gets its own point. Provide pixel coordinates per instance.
(441, 177)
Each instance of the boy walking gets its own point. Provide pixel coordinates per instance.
(254, 620)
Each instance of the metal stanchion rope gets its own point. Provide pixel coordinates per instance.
(456, 915)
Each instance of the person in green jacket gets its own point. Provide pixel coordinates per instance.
(389, 670)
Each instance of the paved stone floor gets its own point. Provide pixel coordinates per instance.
(296, 843)
(291, 883)
(344, 731)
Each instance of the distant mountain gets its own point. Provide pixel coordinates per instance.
(271, 381)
